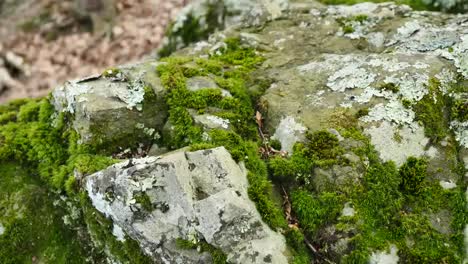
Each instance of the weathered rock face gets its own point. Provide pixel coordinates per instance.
(195, 196)
(373, 76)
(126, 103)
(397, 72)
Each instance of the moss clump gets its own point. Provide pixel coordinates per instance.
(314, 212)
(34, 226)
(390, 87)
(34, 140)
(111, 72)
(144, 200)
(237, 63)
(362, 112)
(217, 255)
(296, 241)
(412, 174)
(348, 29)
(459, 110)
(430, 111)
(323, 148)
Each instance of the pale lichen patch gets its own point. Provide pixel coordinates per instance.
(412, 142)
(461, 132)
(382, 257)
(288, 132)
(447, 185)
(118, 232)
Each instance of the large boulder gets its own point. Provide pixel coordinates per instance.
(195, 196)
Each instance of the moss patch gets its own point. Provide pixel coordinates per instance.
(430, 111)
(34, 226)
(38, 139)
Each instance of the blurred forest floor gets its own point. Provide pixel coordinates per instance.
(46, 42)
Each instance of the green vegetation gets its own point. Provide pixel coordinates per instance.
(348, 23)
(392, 206)
(459, 110)
(430, 111)
(111, 72)
(390, 87)
(218, 256)
(412, 175)
(316, 212)
(34, 226)
(144, 200)
(45, 146)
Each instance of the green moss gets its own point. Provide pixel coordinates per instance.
(295, 239)
(406, 103)
(34, 226)
(276, 144)
(111, 72)
(323, 148)
(144, 200)
(348, 29)
(362, 112)
(231, 66)
(314, 212)
(390, 87)
(459, 110)
(45, 143)
(431, 113)
(412, 174)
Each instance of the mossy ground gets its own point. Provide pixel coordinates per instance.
(34, 229)
(43, 149)
(392, 205)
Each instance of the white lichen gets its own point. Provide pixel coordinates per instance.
(461, 132)
(65, 97)
(348, 210)
(288, 132)
(118, 232)
(412, 142)
(447, 185)
(382, 257)
(224, 123)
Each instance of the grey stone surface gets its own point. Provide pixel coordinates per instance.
(195, 196)
(198, 83)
